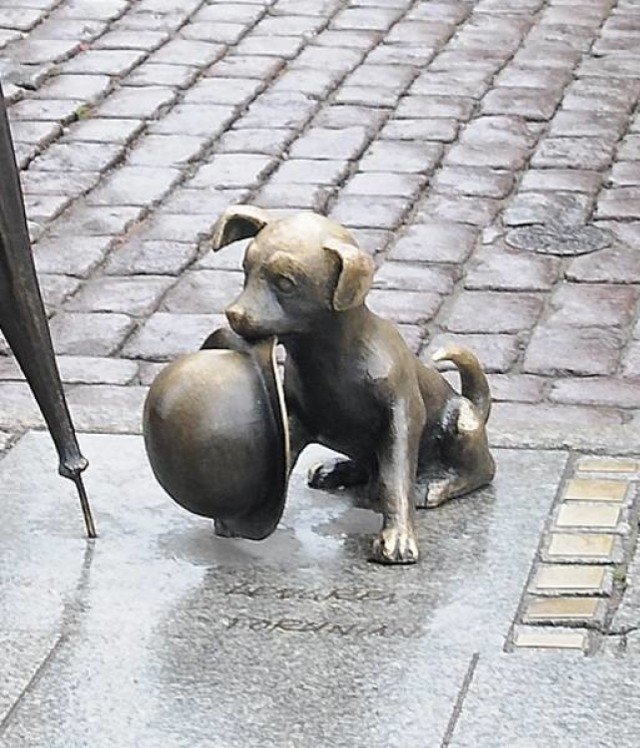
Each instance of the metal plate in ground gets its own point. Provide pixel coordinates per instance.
(563, 241)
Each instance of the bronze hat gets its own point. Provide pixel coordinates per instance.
(215, 431)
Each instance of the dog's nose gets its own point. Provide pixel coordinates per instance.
(238, 319)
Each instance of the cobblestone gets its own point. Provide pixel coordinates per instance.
(429, 129)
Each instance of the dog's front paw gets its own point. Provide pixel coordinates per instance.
(394, 546)
(337, 473)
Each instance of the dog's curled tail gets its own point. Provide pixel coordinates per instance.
(473, 381)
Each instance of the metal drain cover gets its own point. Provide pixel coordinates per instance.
(563, 241)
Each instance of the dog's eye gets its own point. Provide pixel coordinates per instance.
(284, 284)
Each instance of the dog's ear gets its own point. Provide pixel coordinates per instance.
(356, 274)
(238, 222)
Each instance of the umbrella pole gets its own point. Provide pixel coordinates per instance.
(86, 509)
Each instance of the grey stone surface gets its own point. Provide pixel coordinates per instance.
(174, 637)
(534, 700)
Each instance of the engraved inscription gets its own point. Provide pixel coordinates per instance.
(343, 594)
(329, 628)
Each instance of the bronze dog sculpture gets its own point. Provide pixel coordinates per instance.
(351, 383)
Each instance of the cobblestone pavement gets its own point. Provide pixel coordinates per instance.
(480, 150)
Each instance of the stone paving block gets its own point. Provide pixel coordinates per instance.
(415, 277)
(164, 336)
(415, 106)
(568, 578)
(107, 408)
(208, 202)
(278, 111)
(373, 241)
(44, 208)
(134, 185)
(487, 182)
(338, 116)
(582, 351)
(203, 292)
(492, 312)
(592, 124)
(621, 202)
(88, 87)
(522, 388)
(466, 82)
(56, 288)
(76, 255)
(369, 211)
(19, 410)
(383, 76)
(330, 144)
(285, 47)
(293, 196)
(187, 228)
(618, 264)
(496, 353)
(494, 267)
(404, 306)
(38, 133)
(200, 120)
(585, 547)
(588, 489)
(571, 152)
(368, 97)
(119, 131)
(92, 370)
(625, 174)
(223, 91)
(597, 94)
(166, 150)
(306, 171)
(271, 142)
(136, 104)
(440, 130)
(631, 360)
(561, 180)
(61, 157)
(607, 465)
(599, 390)
(129, 39)
(592, 305)
(70, 183)
(588, 515)
(114, 62)
(401, 157)
(86, 9)
(237, 12)
(89, 334)
(242, 66)
(61, 111)
(229, 170)
(83, 220)
(584, 610)
(312, 82)
(384, 183)
(187, 52)
(134, 296)
(540, 638)
(20, 19)
(156, 74)
(435, 242)
(149, 258)
(473, 210)
(535, 104)
(377, 19)
(508, 157)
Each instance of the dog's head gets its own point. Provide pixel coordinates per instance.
(298, 270)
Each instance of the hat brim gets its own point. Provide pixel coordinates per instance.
(261, 520)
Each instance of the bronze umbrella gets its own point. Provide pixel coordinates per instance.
(24, 323)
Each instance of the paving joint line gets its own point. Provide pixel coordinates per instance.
(462, 695)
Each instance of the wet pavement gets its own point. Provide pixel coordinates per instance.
(488, 155)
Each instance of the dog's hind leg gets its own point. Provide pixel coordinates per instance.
(340, 472)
